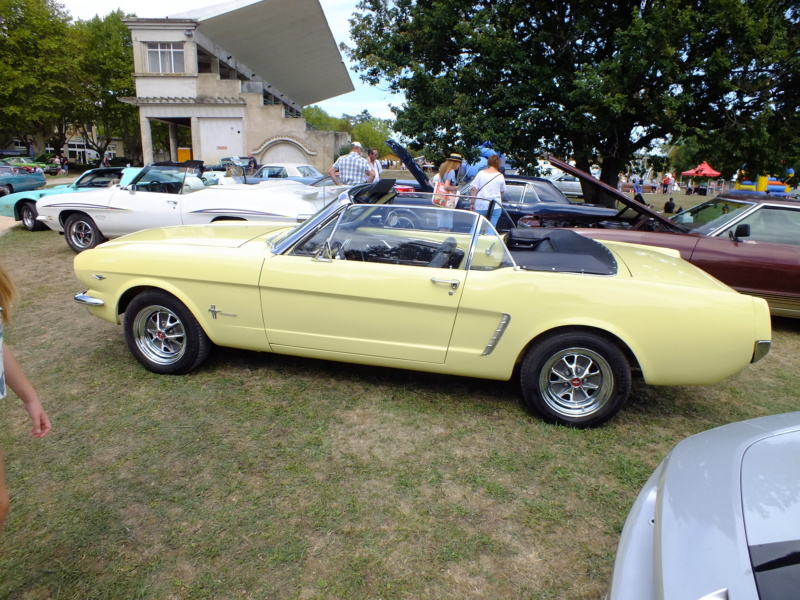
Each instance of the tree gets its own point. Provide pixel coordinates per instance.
(38, 68)
(107, 65)
(589, 80)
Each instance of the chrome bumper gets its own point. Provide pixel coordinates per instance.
(90, 301)
(761, 350)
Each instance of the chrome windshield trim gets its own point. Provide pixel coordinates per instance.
(323, 216)
(761, 350)
(498, 333)
(87, 300)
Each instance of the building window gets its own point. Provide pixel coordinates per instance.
(165, 57)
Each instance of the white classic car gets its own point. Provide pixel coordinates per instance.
(174, 194)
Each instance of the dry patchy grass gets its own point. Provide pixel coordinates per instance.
(261, 476)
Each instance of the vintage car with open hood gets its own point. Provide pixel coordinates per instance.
(749, 241)
(430, 289)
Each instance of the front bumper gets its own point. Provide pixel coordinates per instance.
(88, 301)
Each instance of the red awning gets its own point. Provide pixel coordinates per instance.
(702, 170)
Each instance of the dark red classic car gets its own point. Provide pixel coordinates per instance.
(750, 242)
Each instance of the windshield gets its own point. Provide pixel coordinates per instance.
(286, 238)
(709, 216)
(168, 179)
(548, 192)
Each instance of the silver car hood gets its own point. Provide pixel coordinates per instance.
(714, 499)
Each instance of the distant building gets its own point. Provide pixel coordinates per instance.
(238, 76)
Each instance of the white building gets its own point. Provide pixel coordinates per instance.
(238, 75)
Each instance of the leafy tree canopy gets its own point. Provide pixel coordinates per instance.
(595, 81)
(38, 67)
(369, 130)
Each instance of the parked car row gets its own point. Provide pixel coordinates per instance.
(29, 164)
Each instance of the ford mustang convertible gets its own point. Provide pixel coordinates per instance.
(431, 289)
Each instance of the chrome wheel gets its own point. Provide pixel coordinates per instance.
(576, 382)
(29, 214)
(575, 378)
(159, 335)
(81, 233)
(163, 334)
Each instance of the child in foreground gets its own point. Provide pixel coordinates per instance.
(11, 373)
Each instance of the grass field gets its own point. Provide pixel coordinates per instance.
(261, 476)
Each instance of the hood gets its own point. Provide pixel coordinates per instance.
(619, 196)
(225, 234)
(411, 165)
(724, 492)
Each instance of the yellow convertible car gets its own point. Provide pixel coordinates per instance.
(429, 289)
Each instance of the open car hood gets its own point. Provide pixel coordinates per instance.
(411, 165)
(638, 207)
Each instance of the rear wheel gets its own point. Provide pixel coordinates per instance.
(5, 190)
(163, 334)
(579, 379)
(81, 232)
(28, 215)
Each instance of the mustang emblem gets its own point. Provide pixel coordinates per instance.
(215, 311)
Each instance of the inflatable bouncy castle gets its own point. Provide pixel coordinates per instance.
(761, 185)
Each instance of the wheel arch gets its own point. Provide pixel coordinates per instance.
(130, 293)
(18, 207)
(67, 213)
(612, 338)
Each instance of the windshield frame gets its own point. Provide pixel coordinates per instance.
(724, 221)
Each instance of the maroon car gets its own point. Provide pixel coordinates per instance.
(751, 242)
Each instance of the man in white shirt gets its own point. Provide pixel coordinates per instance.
(372, 157)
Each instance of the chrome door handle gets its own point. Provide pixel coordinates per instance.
(453, 283)
(173, 202)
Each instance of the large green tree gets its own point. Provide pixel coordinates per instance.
(107, 67)
(38, 69)
(594, 81)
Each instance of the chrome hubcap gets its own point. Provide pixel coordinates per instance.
(160, 335)
(81, 234)
(576, 382)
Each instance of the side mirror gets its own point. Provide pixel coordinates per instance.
(742, 231)
(132, 188)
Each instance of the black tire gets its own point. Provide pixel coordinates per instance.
(81, 233)
(163, 334)
(28, 214)
(578, 379)
(5, 190)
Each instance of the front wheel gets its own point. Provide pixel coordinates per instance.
(576, 379)
(5, 190)
(163, 334)
(81, 233)
(28, 215)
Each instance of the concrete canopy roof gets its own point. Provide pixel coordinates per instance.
(288, 44)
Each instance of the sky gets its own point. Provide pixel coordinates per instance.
(337, 12)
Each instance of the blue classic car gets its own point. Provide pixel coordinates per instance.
(22, 204)
(14, 179)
